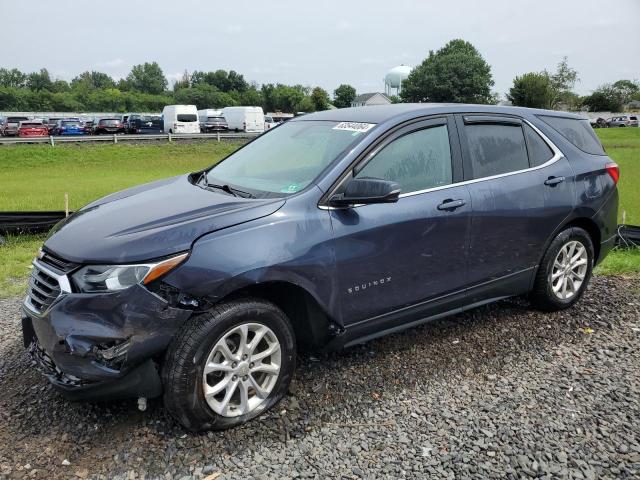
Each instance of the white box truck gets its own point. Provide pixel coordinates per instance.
(180, 119)
(246, 119)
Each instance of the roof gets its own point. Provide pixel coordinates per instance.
(366, 96)
(383, 113)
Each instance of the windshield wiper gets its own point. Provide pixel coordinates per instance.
(226, 188)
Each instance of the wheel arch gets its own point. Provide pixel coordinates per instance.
(585, 223)
(311, 323)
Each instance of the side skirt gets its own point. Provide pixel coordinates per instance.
(363, 331)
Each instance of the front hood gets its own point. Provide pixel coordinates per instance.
(150, 221)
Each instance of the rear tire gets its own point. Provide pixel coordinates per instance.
(565, 271)
(229, 365)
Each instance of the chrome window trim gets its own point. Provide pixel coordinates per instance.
(557, 155)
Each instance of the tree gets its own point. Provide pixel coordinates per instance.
(286, 98)
(13, 78)
(184, 82)
(606, 98)
(147, 78)
(39, 80)
(532, 90)
(343, 96)
(59, 86)
(562, 83)
(627, 90)
(320, 99)
(203, 96)
(455, 73)
(92, 80)
(221, 79)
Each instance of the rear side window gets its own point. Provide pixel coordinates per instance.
(495, 149)
(539, 152)
(578, 132)
(417, 161)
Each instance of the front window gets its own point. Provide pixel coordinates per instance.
(110, 123)
(187, 117)
(71, 124)
(417, 161)
(287, 159)
(215, 119)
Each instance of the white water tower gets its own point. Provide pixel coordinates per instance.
(393, 79)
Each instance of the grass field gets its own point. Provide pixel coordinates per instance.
(34, 177)
(623, 146)
(37, 177)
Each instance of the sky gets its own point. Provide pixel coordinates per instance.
(321, 43)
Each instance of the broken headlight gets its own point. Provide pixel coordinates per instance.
(111, 278)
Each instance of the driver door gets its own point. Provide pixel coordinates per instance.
(404, 260)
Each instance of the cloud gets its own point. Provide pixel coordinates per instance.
(114, 63)
(233, 29)
(344, 25)
(372, 61)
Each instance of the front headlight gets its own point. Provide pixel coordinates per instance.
(111, 278)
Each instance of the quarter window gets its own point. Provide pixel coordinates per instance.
(495, 149)
(577, 131)
(417, 160)
(539, 151)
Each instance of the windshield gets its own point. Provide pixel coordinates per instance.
(187, 117)
(30, 124)
(110, 122)
(288, 158)
(71, 123)
(215, 119)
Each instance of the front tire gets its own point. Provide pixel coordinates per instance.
(565, 271)
(229, 365)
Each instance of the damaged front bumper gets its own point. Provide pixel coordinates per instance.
(102, 346)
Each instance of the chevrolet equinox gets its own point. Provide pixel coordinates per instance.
(332, 229)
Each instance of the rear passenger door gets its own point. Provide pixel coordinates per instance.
(510, 224)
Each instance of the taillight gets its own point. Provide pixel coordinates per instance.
(614, 171)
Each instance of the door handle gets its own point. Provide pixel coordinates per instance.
(552, 181)
(450, 204)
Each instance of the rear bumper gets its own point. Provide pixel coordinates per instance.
(102, 346)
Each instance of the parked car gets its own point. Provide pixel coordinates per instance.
(623, 121)
(269, 123)
(33, 128)
(598, 122)
(87, 125)
(108, 125)
(245, 119)
(212, 121)
(9, 127)
(69, 126)
(180, 119)
(328, 231)
(140, 124)
(52, 124)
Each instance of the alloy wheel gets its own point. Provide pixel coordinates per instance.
(569, 270)
(241, 370)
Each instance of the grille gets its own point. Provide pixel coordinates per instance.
(58, 263)
(43, 289)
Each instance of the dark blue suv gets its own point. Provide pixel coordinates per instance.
(330, 230)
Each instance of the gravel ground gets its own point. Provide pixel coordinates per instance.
(501, 391)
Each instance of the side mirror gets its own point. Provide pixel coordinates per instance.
(364, 191)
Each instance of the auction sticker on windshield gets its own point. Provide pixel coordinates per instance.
(354, 126)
